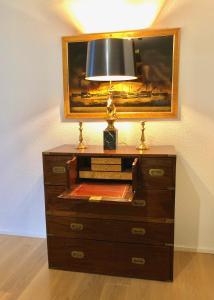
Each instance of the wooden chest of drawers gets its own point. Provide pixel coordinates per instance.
(131, 236)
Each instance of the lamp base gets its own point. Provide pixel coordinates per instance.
(110, 136)
(81, 145)
(142, 146)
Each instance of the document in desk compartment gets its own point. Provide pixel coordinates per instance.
(105, 175)
(106, 160)
(111, 168)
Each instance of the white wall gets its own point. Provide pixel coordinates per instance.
(31, 95)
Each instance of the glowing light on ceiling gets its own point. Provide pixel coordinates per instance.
(112, 15)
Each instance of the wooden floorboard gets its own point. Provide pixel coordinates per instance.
(24, 275)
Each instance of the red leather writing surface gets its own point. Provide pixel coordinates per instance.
(99, 189)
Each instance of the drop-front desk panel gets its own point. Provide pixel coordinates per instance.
(111, 211)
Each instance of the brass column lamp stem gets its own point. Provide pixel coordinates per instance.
(111, 110)
(81, 144)
(143, 145)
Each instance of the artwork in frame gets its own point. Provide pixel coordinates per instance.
(154, 94)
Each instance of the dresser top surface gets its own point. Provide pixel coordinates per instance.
(68, 149)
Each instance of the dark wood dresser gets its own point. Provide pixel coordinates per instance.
(111, 212)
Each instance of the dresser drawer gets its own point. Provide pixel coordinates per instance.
(121, 259)
(51, 194)
(110, 230)
(158, 172)
(55, 169)
(157, 203)
(150, 203)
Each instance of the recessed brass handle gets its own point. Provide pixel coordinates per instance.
(58, 170)
(78, 254)
(137, 202)
(138, 231)
(76, 226)
(138, 260)
(156, 172)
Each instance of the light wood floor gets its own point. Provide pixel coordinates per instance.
(24, 275)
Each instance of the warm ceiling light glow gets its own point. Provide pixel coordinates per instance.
(112, 15)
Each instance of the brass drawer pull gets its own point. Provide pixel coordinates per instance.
(58, 170)
(138, 231)
(76, 226)
(156, 172)
(138, 260)
(139, 203)
(77, 254)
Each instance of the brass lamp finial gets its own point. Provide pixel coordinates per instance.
(81, 144)
(143, 145)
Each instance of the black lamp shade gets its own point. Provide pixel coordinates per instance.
(110, 60)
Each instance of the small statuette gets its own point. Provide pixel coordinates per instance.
(143, 145)
(81, 144)
(111, 109)
(110, 133)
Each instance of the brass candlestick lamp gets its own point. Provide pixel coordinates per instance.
(110, 59)
(81, 144)
(143, 145)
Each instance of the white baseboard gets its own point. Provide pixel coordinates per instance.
(195, 250)
(23, 234)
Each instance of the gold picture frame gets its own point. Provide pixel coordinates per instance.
(157, 60)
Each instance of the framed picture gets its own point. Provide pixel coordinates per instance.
(154, 94)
